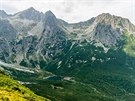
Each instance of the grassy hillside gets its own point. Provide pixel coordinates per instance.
(110, 73)
(129, 46)
(11, 90)
(70, 91)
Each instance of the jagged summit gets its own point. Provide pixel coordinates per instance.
(3, 14)
(50, 13)
(31, 9)
(49, 19)
(107, 18)
(105, 14)
(100, 27)
(115, 21)
(30, 14)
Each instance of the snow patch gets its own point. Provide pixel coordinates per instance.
(19, 68)
(93, 58)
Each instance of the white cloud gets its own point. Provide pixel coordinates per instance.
(75, 10)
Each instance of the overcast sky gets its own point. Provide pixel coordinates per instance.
(74, 10)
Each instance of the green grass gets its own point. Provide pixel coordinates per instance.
(70, 91)
(11, 90)
(129, 46)
(111, 76)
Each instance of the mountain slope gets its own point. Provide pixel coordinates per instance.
(6, 30)
(92, 60)
(11, 90)
(89, 67)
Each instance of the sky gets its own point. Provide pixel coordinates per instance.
(74, 10)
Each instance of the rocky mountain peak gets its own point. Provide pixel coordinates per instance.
(49, 19)
(3, 14)
(31, 9)
(108, 18)
(30, 14)
(49, 13)
(115, 21)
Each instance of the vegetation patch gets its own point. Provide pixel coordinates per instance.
(11, 90)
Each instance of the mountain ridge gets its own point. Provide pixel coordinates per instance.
(85, 61)
(33, 9)
(106, 29)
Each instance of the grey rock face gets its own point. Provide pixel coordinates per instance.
(106, 34)
(3, 14)
(5, 49)
(52, 36)
(6, 30)
(105, 28)
(49, 19)
(42, 36)
(30, 14)
(115, 21)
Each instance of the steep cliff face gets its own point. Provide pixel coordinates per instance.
(7, 31)
(7, 36)
(51, 32)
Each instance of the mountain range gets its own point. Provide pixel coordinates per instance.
(86, 61)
